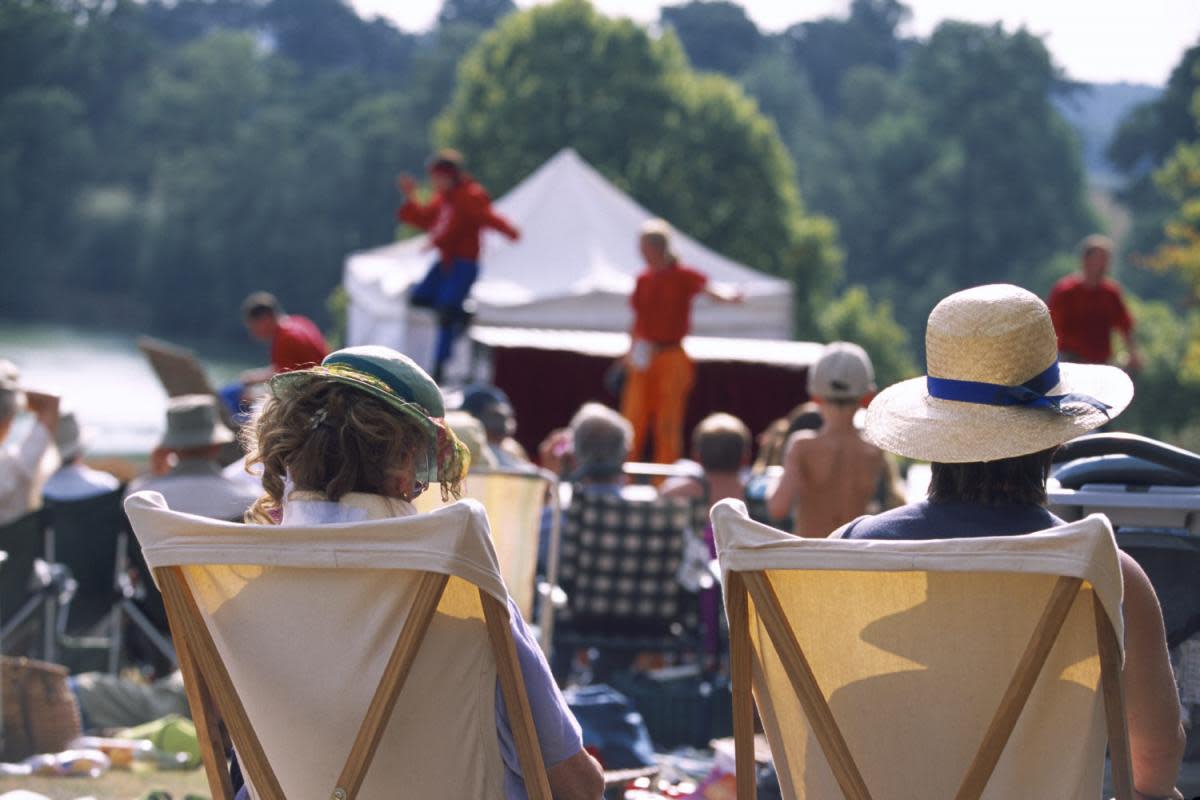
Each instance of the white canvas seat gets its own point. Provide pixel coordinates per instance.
(955, 668)
(321, 647)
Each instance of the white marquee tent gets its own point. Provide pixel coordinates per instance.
(573, 268)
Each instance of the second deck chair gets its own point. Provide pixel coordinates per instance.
(956, 668)
(515, 502)
(321, 648)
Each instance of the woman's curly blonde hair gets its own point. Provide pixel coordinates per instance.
(329, 438)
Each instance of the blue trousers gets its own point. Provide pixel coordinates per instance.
(445, 291)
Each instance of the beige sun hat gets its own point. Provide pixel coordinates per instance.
(993, 349)
(193, 420)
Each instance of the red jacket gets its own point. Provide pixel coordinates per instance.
(455, 218)
(1085, 316)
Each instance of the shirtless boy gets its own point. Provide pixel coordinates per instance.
(831, 475)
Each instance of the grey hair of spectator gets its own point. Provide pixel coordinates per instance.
(602, 440)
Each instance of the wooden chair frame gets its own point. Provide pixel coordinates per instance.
(214, 700)
(756, 585)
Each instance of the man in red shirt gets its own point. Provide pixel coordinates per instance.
(454, 219)
(1087, 307)
(659, 372)
(296, 342)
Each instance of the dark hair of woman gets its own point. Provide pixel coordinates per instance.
(1007, 482)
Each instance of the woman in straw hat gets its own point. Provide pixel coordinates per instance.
(994, 406)
(360, 437)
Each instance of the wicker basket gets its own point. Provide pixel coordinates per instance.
(39, 709)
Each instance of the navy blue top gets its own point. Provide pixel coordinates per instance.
(926, 520)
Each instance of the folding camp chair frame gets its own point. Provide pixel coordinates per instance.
(757, 585)
(214, 700)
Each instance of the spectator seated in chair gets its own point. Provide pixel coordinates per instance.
(75, 480)
(195, 483)
(994, 407)
(359, 438)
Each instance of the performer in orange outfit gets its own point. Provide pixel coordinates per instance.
(658, 372)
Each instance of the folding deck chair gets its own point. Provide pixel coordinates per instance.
(515, 501)
(91, 538)
(619, 562)
(956, 668)
(21, 596)
(322, 647)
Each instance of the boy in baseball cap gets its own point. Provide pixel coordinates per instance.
(831, 475)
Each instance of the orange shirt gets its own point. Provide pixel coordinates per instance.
(662, 303)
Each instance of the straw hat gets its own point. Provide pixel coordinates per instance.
(193, 421)
(995, 388)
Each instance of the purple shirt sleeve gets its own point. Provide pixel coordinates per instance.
(558, 731)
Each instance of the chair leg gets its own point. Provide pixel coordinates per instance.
(1114, 702)
(160, 642)
(740, 667)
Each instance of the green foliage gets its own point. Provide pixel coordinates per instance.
(693, 148)
(1167, 396)
(1179, 254)
(853, 317)
(717, 34)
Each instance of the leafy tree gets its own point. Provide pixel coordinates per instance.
(1179, 180)
(483, 14)
(826, 49)
(1145, 139)
(44, 151)
(693, 149)
(853, 317)
(716, 34)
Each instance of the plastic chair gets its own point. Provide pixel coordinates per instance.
(961, 668)
(320, 647)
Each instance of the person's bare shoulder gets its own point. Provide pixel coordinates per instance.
(799, 443)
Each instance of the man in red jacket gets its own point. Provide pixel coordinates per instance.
(454, 218)
(1087, 307)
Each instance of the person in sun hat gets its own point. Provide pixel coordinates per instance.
(359, 437)
(194, 483)
(75, 480)
(994, 406)
(831, 475)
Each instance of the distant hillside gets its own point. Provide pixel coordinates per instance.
(1094, 111)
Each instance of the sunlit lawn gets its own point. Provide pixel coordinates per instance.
(113, 786)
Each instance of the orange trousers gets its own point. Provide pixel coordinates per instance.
(658, 396)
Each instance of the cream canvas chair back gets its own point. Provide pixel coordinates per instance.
(320, 647)
(514, 502)
(957, 668)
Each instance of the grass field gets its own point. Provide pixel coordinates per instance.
(113, 786)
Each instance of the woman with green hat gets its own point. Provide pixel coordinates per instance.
(359, 437)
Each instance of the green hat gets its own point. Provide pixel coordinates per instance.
(395, 379)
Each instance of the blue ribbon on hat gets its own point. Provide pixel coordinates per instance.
(1031, 394)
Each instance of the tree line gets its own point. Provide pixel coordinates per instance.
(160, 159)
